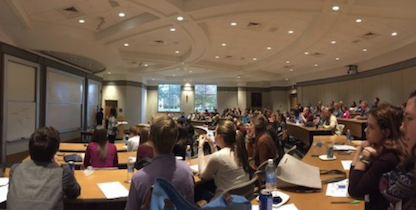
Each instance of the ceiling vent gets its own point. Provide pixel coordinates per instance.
(369, 35)
(159, 42)
(229, 57)
(113, 3)
(316, 54)
(356, 41)
(273, 29)
(70, 12)
(254, 26)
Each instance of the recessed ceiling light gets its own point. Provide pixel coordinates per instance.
(238, 76)
(176, 51)
(394, 34)
(81, 21)
(333, 42)
(335, 8)
(190, 71)
(254, 59)
(337, 59)
(269, 48)
(173, 75)
(126, 44)
(287, 61)
(358, 20)
(290, 32)
(109, 72)
(153, 79)
(365, 50)
(286, 79)
(291, 69)
(223, 44)
(316, 64)
(217, 56)
(121, 14)
(233, 24)
(172, 29)
(146, 65)
(179, 18)
(306, 53)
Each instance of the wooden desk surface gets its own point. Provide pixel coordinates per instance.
(122, 157)
(319, 200)
(81, 147)
(356, 126)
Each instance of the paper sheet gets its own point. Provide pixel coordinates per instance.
(338, 189)
(113, 190)
(346, 164)
(194, 168)
(3, 193)
(284, 207)
(4, 181)
(344, 147)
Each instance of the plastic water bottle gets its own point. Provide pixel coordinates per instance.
(130, 168)
(349, 137)
(270, 175)
(188, 153)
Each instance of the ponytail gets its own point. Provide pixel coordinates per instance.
(241, 153)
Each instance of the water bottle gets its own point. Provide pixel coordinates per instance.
(130, 168)
(71, 165)
(270, 175)
(188, 153)
(349, 137)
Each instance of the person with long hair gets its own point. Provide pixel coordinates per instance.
(228, 166)
(145, 149)
(379, 154)
(399, 185)
(260, 144)
(100, 153)
(112, 125)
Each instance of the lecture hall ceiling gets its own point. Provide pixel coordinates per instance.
(217, 40)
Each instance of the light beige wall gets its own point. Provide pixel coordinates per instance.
(393, 87)
(279, 100)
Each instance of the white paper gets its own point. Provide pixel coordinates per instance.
(113, 190)
(344, 147)
(3, 193)
(4, 181)
(346, 164)
(284, 207)
(194, 168)
(338, 189)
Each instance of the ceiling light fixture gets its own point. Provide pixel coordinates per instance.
(394, 34)
(316, 64)
(333, 42)
(173, 75)
(81, 21)
(335, 8)
(269, 48)
(358, 20)
(146, 65)
(190, 71)
(233, 24)
(238, 76)
(291, 69)
(121, 14)
(217, 56)
(172, 29)
(180, 18)
(254, 59)
(337, 59)
(306, 53)
(223, 44)
(109, 72)
(126, 44)
(364, 50)
(176, 51)
(286, 79)
(287, 61)
(290, 32)
(153, 79)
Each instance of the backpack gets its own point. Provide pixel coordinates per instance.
(165, 196)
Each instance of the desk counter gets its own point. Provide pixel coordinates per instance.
(305, 134)
(356, 126)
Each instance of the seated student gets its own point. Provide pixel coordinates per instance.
(379, 154)
(145, 149)
(228, 166)
(307, 117)
(163, 135)
(134, 139)
(100, 153)
(346, 113)
(365, 111)
(331, 121)
(41, 183)
(183, 140)
(260, 144)
(400, 184)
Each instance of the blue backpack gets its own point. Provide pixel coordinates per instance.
(165, 196)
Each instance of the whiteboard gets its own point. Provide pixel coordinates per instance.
(92, 110)
(21, 82)
(21, 120)
(64, 117)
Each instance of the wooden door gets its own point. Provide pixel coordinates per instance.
(293, 101)
(108, 105)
